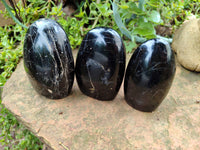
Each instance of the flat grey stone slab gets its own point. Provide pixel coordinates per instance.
(79, 122)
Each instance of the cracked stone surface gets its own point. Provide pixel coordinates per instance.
(79, 122)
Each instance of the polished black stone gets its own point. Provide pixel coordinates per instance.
(149, 75)
(48, 59)
(100, 63)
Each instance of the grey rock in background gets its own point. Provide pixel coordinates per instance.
(186, 43)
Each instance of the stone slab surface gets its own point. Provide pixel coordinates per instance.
(79, 122)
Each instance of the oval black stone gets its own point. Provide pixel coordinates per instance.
(48, 59)
(100, 63)
(149, 75)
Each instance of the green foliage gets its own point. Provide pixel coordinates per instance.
(14, 135)
(135, 21)
(174, 12)
(77, 26)
(181, 10)
(10, 53)
(74, 28)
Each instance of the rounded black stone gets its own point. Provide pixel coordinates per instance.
(149, 75)
(100, 64)
(48, 59)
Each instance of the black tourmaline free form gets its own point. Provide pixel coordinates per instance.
(100, 64)
(48, 59)
(149, 75)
